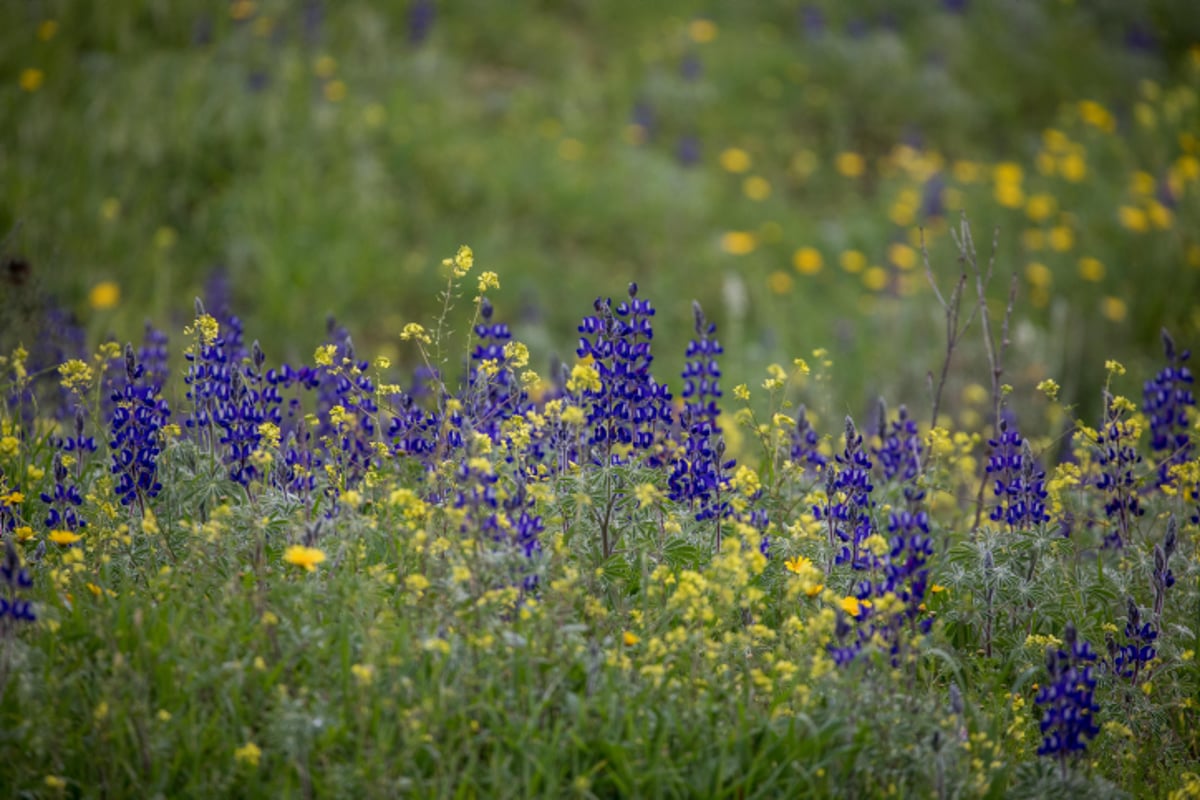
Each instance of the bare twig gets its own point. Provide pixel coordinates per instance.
(968, 253)
(951, 309)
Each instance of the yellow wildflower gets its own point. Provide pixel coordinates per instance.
(76, 374)
(516, 354)
(808, 261)
(702, 30)
(415, 330)
(850, 165)
(584, 377)
(488, 280)
(64, 538)
(734, 159)
(31, 79)
(104, 295)
(248, 754)
(363, 673)
(738, 243)
(306, 557)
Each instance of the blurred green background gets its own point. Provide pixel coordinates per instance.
(773, 160)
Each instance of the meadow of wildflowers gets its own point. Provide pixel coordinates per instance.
(477, 579)
(729, 460)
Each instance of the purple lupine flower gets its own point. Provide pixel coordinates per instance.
(806, 444)
(412, 431)
(208, 379)
(630, 409)
(932, 204)
(1162, 577)
(60, 339)
(1069, 720)
(491, 399)
(899, 453)
(1117, 457)
(253, 401)
(314, 21)
(63, 501)
(14, 579)
(812, 21)
(1166, 400)
(1019, 482)
(687, 150)
(421, 15)
(1130, 658)
(154, 356)
(137, 423)
(849, 516)
(700, 475)
(906, 576)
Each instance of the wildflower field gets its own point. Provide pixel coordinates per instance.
(810, 415)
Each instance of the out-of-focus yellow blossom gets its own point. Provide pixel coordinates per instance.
(1061, 238)
(248, 754)
(738, 243)
(1040, 207)
(1091, 269)
(808, 261)
(1097, 116)
(1113, 309)
(1133, 218)
(734, 159)
(702, 30)
(850, 165)
(902, 255)
(104, 295)
(756, 188)
(31, 79)
(780, 282)
(853, 261)
(875, 278)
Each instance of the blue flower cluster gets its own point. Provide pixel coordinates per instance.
(1019, 482)
(700, 474)
(1166, 400)
(1068, 698)
(493, 395)
(1162, 577)
(1138, 650)
(208, 379)
(905, 577)
(14, 579)
(1117, 458)
(899, 453)
(154, 356)
(136, 427)
(848, 504)
(805, 450)
(630, 408)
(63, 500)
